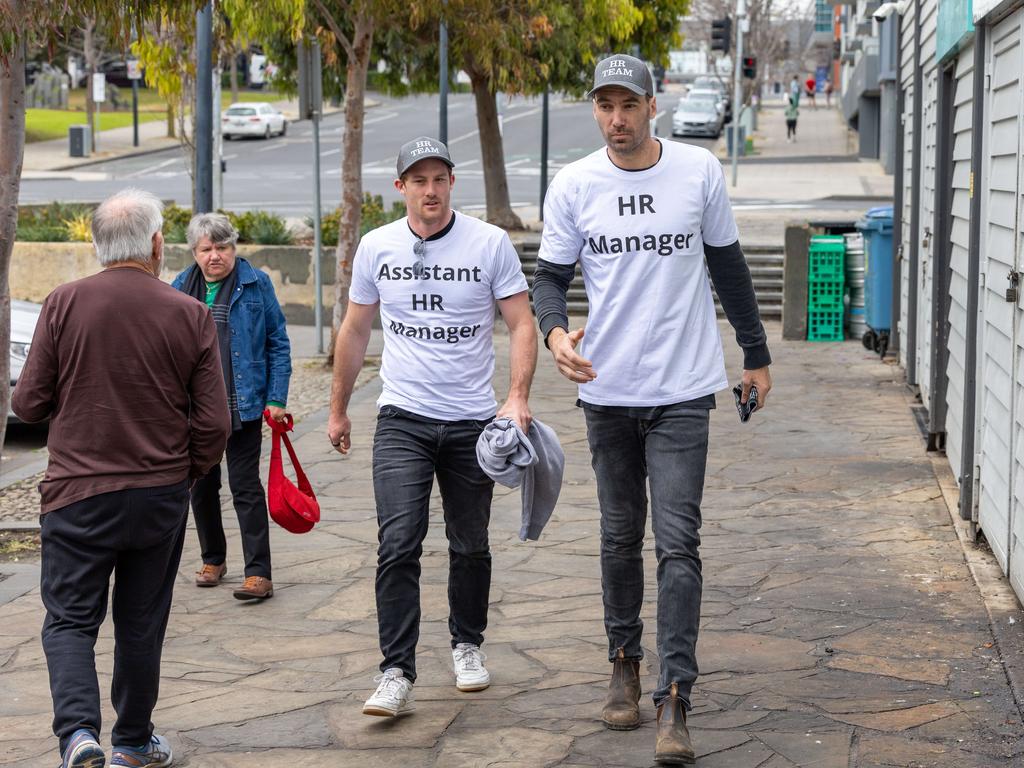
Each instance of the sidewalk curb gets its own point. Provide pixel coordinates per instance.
(24, 472)
(1006, 620)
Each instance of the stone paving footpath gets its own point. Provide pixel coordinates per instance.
(841, 626)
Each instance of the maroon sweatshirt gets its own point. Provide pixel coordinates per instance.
(128, 372)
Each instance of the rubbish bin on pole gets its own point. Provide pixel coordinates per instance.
(876, 227)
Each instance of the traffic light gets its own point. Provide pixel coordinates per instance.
(750, 67)
(721, 31)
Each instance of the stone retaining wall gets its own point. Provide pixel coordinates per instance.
(38, 268)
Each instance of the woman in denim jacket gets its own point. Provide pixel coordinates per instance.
(256, 360)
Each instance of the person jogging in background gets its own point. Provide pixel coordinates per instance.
(647, 220)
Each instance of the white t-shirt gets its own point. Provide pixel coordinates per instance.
(639, 236)
(438, 348)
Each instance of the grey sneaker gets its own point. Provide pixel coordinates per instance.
(393, 696)
(156, 754)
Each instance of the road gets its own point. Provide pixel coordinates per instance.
(277, 174)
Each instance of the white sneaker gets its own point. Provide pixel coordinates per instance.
(470, 674)
(393, 696)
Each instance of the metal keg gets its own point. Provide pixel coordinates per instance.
(855, 318)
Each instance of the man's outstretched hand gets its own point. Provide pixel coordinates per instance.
(563, 349)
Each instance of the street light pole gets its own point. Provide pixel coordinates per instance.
(543, 151)
(443, 84)
(737, 87)
(204, 111)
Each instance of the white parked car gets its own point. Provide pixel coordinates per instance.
(255, 118)
(24, 315)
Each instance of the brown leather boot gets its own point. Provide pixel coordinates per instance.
(622, 706)
(673, 746)
(255, 588)
(210, 575)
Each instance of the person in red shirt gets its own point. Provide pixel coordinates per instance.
(811, 86)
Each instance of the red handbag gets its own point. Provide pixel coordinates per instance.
(294, 508)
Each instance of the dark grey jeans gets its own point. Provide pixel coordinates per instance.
(408, 451)
(670, 450)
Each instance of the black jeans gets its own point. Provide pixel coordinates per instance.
(243, 455)
(137, 535)
(407, 452)
(670, 450)
(790, 128)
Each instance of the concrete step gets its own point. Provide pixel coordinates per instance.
(764, 260)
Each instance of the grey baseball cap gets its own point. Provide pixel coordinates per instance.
(624, 71)
(420, 149)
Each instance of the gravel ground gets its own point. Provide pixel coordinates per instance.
(310, 390)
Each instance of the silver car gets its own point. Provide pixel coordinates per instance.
(24, 315)
(697, 117)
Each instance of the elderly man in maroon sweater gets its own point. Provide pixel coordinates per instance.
(128, 372)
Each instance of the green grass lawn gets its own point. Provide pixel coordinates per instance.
(44, 124)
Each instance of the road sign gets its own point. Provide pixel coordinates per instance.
(99, 87)
(134, 69)
(721, 31)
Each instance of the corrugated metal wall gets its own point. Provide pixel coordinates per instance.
(926, 239)
(999, 377)
(960, 210)
(907, 59)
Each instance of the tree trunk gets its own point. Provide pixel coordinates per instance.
(12, 146)
(351, 167)
(492, 152)
(234, 76)
(89, 52)
(171, 132)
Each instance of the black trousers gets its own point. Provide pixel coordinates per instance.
(243, 455)
(136, 535)
(407, 454)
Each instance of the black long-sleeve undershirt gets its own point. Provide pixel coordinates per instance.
(729, 273)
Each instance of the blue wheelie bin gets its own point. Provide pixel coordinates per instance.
(876, 226)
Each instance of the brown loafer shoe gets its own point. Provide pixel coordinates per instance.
(673, 746)
(622, 706)
(210, 575)
(255, 588)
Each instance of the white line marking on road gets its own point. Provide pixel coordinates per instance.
(507, 120)
(275, 145)
(520, 161)
(230, 157)
(330, 152)
(146, 171)
(380, 118)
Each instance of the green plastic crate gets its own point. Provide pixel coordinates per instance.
(826, 258)
(825, 295)
(824, 326)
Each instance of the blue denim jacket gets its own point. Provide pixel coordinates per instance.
(261, 352)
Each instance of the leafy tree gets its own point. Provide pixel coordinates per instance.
(527, 46)
(353, 25)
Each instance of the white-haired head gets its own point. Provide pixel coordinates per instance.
(215, 226)
(123, 227)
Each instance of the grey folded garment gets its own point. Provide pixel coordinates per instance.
(534, 461)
